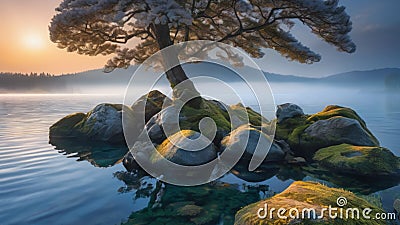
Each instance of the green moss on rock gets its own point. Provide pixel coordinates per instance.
(359, 160)
(301, 195)
(287, 126)
(67, 126)
(193, 117)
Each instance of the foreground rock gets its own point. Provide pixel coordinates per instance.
(359, 160)
(305, 195)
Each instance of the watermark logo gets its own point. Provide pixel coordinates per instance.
(341, 201)
(330, 212)
(249, 81)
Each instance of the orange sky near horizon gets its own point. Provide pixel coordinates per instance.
(25, 44)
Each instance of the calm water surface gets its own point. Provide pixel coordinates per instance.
(40, 185)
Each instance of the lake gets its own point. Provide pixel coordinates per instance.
(42, 185)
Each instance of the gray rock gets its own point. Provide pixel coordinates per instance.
(288, 110)
(180, 152)
(337, 130)
(104, 123)
(236, 140)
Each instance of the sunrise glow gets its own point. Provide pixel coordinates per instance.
(33, 41)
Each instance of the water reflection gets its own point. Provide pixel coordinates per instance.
(212, 203)
(98, 154)
(361, 185)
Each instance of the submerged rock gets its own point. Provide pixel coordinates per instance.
(262, 173)
(359, 160)
(206, 204)
(305, 196)
(288, 110)
(248, 137)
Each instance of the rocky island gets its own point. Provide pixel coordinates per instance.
(334, 141)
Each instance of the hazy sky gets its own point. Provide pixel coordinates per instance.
(25, 45)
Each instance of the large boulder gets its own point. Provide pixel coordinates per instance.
(332, 126)
(178, 149)
(248, 137)
(103, 123)
(288, 110)
(309, 199)
(359, 160)
(338, 129)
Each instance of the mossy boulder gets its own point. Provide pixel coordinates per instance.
(306, 195)
(185, 148)
(67, 126)
(103, 123)
(332, 126)
(359, 160)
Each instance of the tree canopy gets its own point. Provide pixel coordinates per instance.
(94, 27)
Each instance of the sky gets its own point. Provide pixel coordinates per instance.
(25, 45)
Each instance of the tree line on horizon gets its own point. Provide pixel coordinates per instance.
(17, 82)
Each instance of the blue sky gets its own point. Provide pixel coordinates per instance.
(376, 31)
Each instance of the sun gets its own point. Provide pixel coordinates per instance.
(33, 41)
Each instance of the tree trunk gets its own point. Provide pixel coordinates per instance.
(176, 75)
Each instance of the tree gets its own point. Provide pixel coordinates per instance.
(94, 27)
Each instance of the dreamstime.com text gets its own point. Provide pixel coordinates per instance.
(329, 212)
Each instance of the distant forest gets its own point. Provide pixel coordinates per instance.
(37, 82)
(66, 83)
(386, 79)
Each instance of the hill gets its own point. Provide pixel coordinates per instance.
(380, 79)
